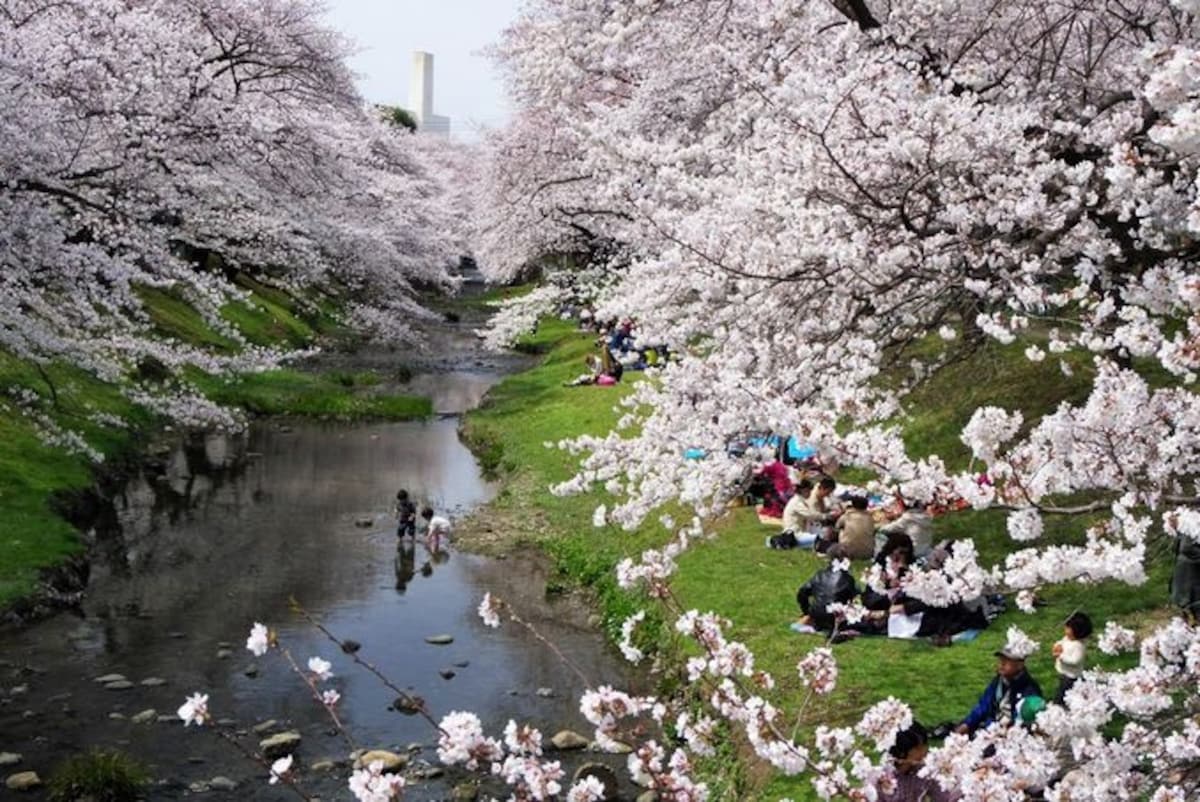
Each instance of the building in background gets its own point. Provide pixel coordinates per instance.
(420, 96)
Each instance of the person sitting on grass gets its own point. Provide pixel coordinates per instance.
(436, 528)
(797, 527)
(821, 505)
(914, 522)
(1001, 699)
(856, 529)
(830, 585)
(776, 487)
(908, 756)
(1070, 653)
(895, 558)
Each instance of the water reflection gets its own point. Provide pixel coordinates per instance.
(220, 532)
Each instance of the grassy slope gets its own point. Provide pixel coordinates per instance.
(735, 576)
(33, 536)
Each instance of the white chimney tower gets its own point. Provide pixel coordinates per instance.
(420, 95)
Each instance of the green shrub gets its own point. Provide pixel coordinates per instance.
(101, 775)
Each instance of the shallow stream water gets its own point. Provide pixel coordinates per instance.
(220, 534)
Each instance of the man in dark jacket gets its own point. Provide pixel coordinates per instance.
(828, 586)
(1002, 697)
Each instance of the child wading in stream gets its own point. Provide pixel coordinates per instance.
(436, 527)
(406, 515)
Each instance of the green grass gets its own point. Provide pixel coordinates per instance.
(292, 392)
(100, 775)
(736, 577)
(34, 536)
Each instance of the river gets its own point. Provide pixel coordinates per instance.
(220, 532)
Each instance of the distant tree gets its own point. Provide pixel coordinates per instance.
(399, 117)
(179, 143)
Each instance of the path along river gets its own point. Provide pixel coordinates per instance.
(220, 533)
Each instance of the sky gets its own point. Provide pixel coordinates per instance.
(466, 87)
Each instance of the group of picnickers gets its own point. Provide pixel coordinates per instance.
(1013, 698)
(898, 538)
(617, 350)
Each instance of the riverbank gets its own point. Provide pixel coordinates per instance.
(41, 471)
(734, 576)
(218, 532)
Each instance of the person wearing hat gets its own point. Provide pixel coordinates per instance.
(1001, 699)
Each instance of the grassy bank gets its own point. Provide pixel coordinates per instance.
(735, 576)
(33, 473)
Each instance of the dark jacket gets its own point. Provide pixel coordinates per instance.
(1000, 700)
(826, 587)
(1185, 580)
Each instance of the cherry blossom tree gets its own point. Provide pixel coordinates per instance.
(803, 191)
(145, 143)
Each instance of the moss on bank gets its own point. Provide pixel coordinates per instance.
(33, 473)
(735, 576)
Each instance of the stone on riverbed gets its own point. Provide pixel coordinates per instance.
(119, 685)
(265, 726)
(465, 792)
(153, 682)
(392, 762)
(145, 717)
(440, 640)
(222, 784)
(605, 775)
(364, 523)
(612, 747)
(280, 744)
(545, 693)
(23, 781)
(566, 739)
(9, 758)
(107, 678)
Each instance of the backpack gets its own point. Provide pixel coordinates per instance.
(784, 540)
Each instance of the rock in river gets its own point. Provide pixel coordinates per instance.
(145, 717)
(9, 758)
(566, 739)
(440, 640)
(23, 781)
(276, 746)
(392, 762)
(605, 775)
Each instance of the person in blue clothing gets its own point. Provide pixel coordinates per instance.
(1001, 699)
